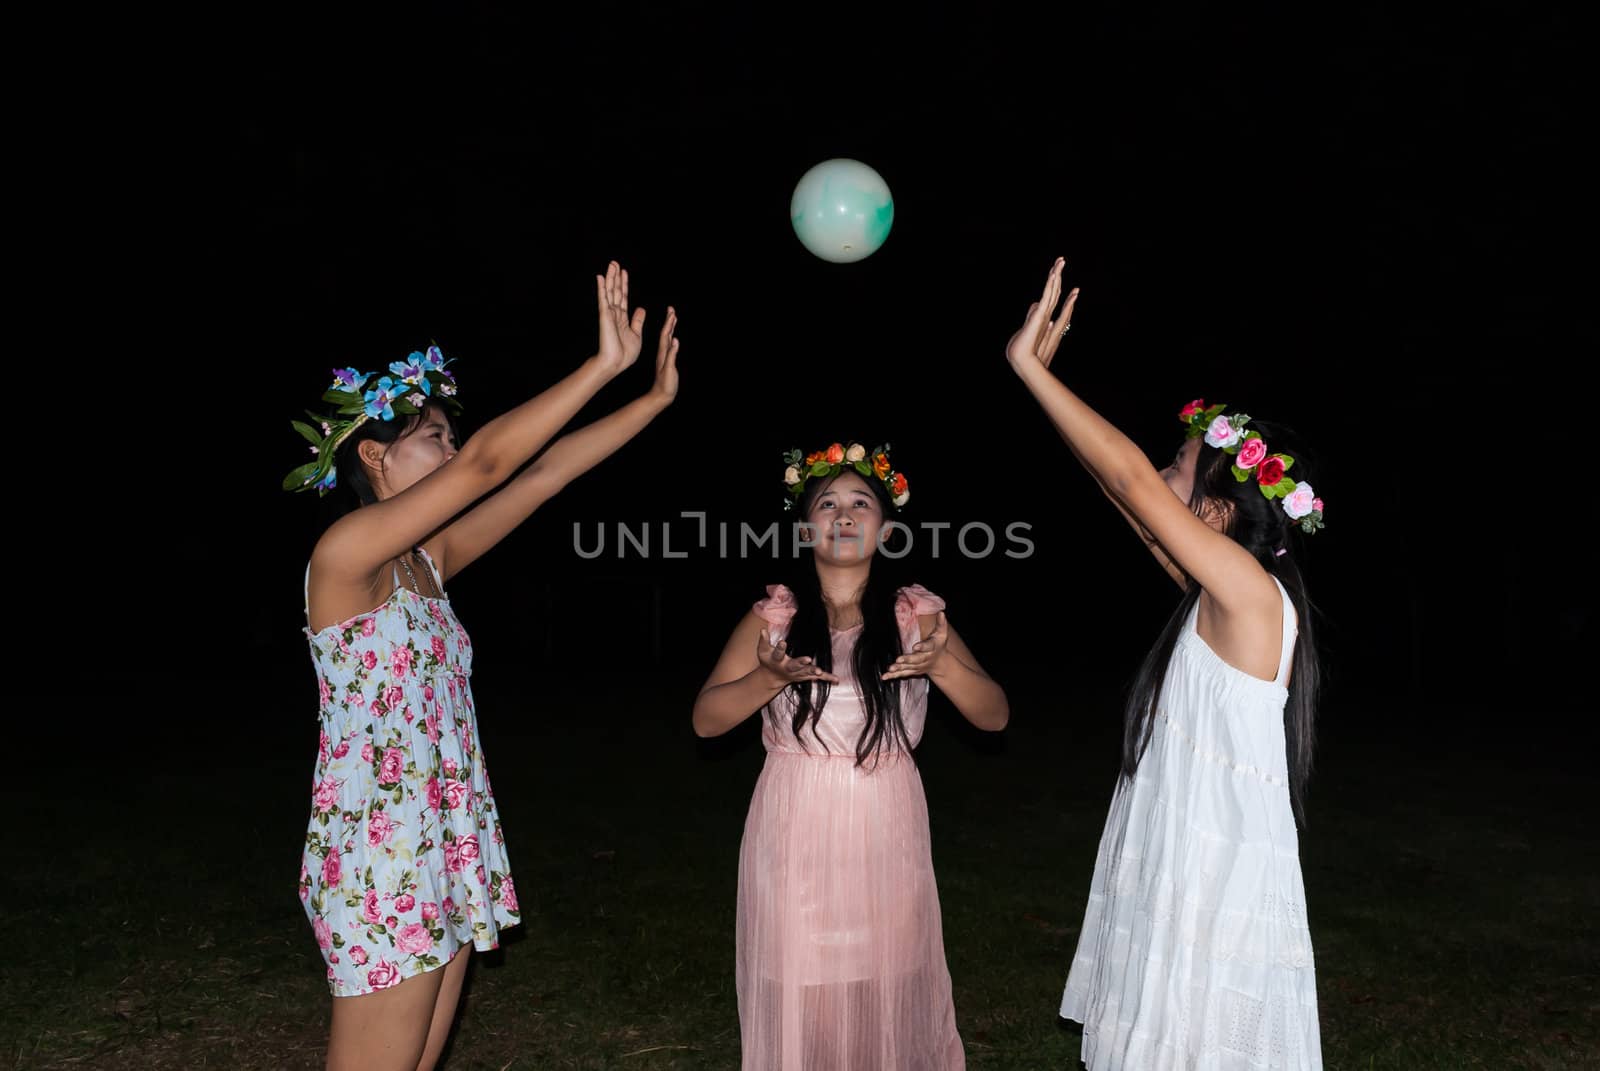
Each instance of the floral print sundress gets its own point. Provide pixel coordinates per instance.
(404, 861)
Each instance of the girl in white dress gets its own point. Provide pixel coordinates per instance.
(1194, 952)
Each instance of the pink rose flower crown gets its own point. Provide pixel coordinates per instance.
(1252, 461)
(358, 397)
(834, 459)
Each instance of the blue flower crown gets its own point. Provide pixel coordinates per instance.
(420, 378)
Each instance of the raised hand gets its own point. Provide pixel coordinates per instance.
(666, 385)
(621, 334)
(1039, 335)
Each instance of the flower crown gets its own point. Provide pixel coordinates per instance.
(834, 460)
(415, 380)
(1251, 459)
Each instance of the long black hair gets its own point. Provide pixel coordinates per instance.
(1261, 526)
(877, 645)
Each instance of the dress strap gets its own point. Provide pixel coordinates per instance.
(307, 604)
(437, 579)
(1290, 630)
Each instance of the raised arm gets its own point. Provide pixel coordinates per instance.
(1222, 567)
(354, 548)
(477, 531)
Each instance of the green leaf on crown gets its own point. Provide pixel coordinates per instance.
(307, 432)
(301, 475)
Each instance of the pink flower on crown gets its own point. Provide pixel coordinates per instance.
(1316, 504)
(1251, 453)
(1196, 406)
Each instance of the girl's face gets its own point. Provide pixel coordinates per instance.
(415, 454)
(1180, 474)
(1180, 477)
(848, 518)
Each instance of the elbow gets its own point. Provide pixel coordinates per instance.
(484, 464)
(1002, 716)
(703, 725)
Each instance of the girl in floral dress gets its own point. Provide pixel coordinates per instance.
(1194, 951)
(839, 951)
(404, 865)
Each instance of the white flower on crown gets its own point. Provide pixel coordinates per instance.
(1300, 502)
(791, 475)
(857, 452)
(1221, 433)
(901, 499)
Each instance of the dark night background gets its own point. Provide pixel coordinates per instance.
(1356, 220)
(1348, 225)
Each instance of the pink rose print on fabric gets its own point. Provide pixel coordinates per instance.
(393, 764)
(379, 828)
(414, 939)
(384, 975)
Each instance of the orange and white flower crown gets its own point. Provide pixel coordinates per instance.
(873, 464)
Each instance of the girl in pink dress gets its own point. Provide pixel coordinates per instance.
(404, 867)
(839, 953)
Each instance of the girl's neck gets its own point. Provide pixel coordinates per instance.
(842, 588)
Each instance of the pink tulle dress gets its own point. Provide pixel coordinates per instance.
(840, 953)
